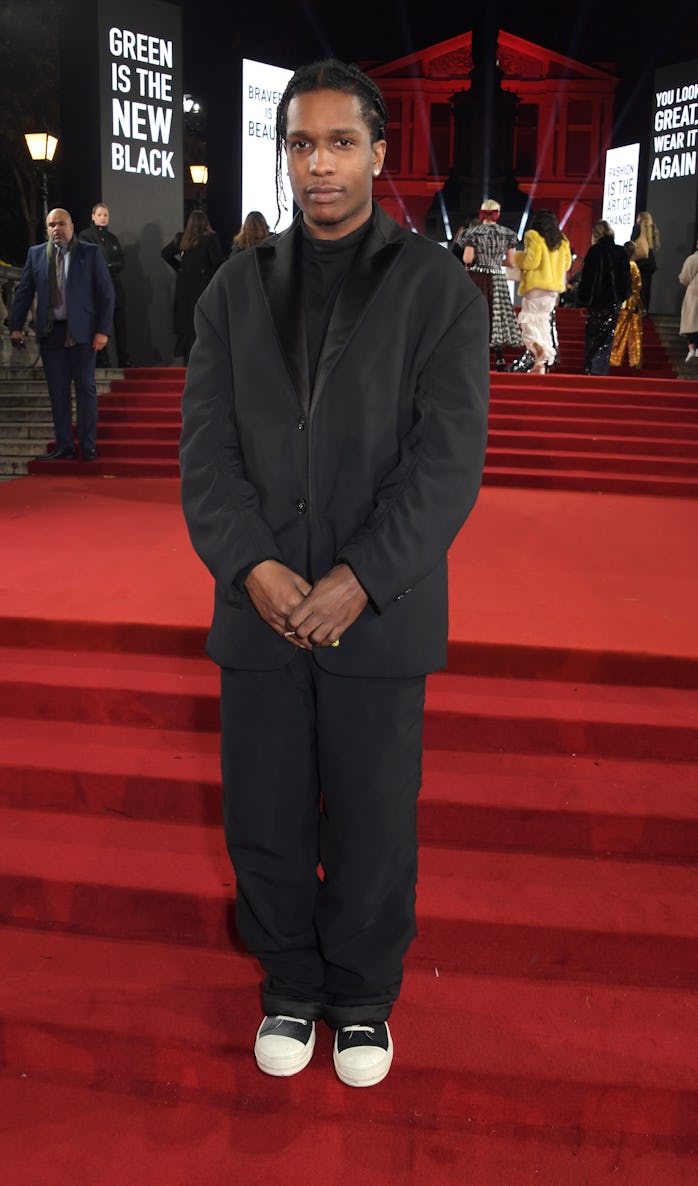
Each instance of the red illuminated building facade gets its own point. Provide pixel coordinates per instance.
(559, 116)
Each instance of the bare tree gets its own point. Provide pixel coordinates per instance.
(29, 78)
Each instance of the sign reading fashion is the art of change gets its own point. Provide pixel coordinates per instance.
(620, 189)
(141, 73)
(262, 88)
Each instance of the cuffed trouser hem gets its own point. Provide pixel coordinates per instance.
(274, 1003)
(336, 1016)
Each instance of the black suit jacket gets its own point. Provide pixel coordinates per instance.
(378, 466)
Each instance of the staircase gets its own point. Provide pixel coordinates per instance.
(26, 426)
(629, 432)
(558, 927)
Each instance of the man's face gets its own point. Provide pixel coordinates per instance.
(59, 225)
(331, 161)
(101, 216)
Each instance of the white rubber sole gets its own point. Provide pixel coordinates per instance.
(353, 1071)
(290, 1058)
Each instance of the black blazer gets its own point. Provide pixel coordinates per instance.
(378, 466)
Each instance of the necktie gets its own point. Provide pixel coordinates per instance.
(59, 275)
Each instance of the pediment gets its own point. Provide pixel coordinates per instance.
(516, 58)
(446, 59)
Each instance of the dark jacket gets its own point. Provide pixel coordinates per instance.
(89, 293)
(194, 270)
(108, 244)
(378, 466)
(605, 278)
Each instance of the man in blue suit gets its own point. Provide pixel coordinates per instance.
(75, 308)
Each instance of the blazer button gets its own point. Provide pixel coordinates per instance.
(301, 506)
(301, 425)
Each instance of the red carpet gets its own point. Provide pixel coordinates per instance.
(547, 1028)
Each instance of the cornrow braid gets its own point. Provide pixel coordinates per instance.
(329, 74)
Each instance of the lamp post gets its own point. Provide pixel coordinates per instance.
(199, 175)
(42, 148)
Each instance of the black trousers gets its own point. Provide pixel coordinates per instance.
(321, 775)
(63, 366)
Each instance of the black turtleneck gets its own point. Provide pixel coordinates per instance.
(325, 264)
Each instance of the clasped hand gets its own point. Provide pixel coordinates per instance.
(306, 615)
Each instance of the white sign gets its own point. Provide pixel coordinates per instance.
(675, 132)
(262, 88)
(620, 190)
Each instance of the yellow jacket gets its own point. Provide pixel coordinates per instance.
(541, 267)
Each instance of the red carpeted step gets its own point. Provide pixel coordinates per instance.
(130, 689)
(591, 462)
(135, 448)
(592, 426)
(518, 802)
(564, 442)
(386, 1137)
(546, 389)
(558, 804)
(162, 1075)
(126, 431)
(466, 656)
(486, 912)
(116, 414)
(122, 467)
(583, 480)
(152, 1007)
(462, 711)
(146, 387)
(125, 399)
(530, 405)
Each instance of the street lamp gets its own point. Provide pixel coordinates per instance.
(42, 148)
(199, 175)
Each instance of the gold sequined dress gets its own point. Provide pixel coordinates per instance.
(628, 332)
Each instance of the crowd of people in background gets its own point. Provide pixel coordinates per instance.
(611, 288)
(196, 253)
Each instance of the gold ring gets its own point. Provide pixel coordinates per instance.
(335, 643)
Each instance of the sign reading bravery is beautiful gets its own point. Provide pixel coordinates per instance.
(262, 88)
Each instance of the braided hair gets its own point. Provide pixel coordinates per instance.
(329, 74)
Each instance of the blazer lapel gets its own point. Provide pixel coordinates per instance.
(279, 268)
(374, 258)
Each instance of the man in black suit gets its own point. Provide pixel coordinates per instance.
(334, 431)
(98, 233)
(74, 311)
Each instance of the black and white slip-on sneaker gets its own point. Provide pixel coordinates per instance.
(284, 1045)
(363, 1053)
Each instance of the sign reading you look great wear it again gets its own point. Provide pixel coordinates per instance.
(672, 190)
